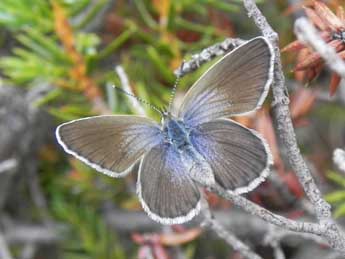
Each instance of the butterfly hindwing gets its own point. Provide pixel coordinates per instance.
(110, 144)
(239, 157)
(165, 189)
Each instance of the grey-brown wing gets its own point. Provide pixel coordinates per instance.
(236, 84)
(166, 191)
(239, 157)
(110, 144)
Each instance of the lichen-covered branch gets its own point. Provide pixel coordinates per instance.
(208, 54)
(267, 215)
(285, 130)
(282, 117)
(306, 33)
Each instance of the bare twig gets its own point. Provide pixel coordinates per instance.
(4, 251)
(28, 251)
(274, 243)
(267, 215)
(329, 230)
(226, 235)
(126, 87)
(339, 158)
(306, 33)
(37, 193)
(8, 165)
(278, 252)
(276, 235)
(25, 233)
(208, 54)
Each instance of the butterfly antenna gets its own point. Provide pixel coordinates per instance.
(173, 91)
(139, 99)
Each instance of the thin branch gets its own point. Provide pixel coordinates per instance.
(208, 54)
(267, 215)
(339, 158)
(226, 235)
(37, 193)
(278, 251)
(276, 235)
(4, 250)
(28, 251)
(126, 87)
(286, 133)
(307, 33)
(8, 165)
(26, 233)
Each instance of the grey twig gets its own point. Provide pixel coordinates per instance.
(4, 251)
(226, 235)
(28, 251)
(8, 165)
(126, 87)
(25, 233)
(274, 243)
(326, 226)
(276, 235)
(208, 54)
(339, 159)
(37, 193)
(267, 215)
(306, 33)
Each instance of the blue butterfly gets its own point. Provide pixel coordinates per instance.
(197, 144)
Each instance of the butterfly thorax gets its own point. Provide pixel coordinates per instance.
(176, 132)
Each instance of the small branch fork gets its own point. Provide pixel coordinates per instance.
(325, 228)
(227, 236)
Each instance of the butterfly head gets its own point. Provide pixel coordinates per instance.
(166, 115)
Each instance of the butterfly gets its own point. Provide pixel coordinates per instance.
(198, 144)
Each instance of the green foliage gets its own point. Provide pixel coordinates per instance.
(88, 237)
(157, 47)
(38, 57)
(337, 197)
(14, 14)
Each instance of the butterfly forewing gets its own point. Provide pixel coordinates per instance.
(239, 157)
(109, 144)
(165, 189)
(236, 84)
